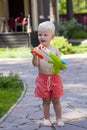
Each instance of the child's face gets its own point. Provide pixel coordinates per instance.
(45, 36)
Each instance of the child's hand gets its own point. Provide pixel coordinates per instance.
(36, 53)
(41, 47)
(62, 68)
(33, 51)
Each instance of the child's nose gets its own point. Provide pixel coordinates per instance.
(42, 36)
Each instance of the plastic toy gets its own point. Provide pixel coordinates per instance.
(56, 62)
(34, 50)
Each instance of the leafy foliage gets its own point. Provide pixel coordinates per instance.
(65, 26)
(62, 6)
(77, 34)
(10, 81)
(63, 45)
(79, 6)
(71, 29)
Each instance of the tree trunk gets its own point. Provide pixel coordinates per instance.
(69, 9)
(54, 14)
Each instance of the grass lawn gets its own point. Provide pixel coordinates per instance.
(24, 52)
(81, 48)
(11, 89)
(7, 98)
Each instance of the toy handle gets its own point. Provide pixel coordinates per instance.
(34, 50)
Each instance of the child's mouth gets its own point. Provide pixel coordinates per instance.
(42, 40)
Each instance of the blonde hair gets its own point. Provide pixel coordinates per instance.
(47, 25)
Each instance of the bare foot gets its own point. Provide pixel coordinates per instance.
(47, 122)
(60, 123)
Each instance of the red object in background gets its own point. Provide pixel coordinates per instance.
(85, 20)
(11, 24)
(24, 21)
(20, 21)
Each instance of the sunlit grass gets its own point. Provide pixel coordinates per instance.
(23, 52)
(7, 99)
(81, 48)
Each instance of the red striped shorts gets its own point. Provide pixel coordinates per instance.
(48, 86)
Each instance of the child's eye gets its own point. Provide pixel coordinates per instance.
(45, 35)
(39, 34)
(42, 35)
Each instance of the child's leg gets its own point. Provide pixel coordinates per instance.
(58, 111)
(46, 109)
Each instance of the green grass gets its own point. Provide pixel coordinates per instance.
(23, 52)
(11, 89)
(7, 98)
(80, 48)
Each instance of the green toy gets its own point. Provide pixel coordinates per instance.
(57, 63)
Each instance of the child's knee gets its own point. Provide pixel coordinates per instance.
(46, 101)
(55, 100)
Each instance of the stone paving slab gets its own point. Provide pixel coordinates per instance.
(27, 113)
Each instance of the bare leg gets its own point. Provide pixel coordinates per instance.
(46, 107)
(58, 111)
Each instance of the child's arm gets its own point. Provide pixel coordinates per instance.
(35, 59)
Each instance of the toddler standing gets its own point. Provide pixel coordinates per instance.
(48, 85)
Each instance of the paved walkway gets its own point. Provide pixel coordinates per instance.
(26, 114)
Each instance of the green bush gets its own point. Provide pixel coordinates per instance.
(63, 45)
(78, 34)
(11, 81)
(70, 29)
(65, 26)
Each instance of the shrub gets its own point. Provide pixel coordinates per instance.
(11, 81)
(71, 29)
(65, 26)
(79, 34)
(63, 45)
